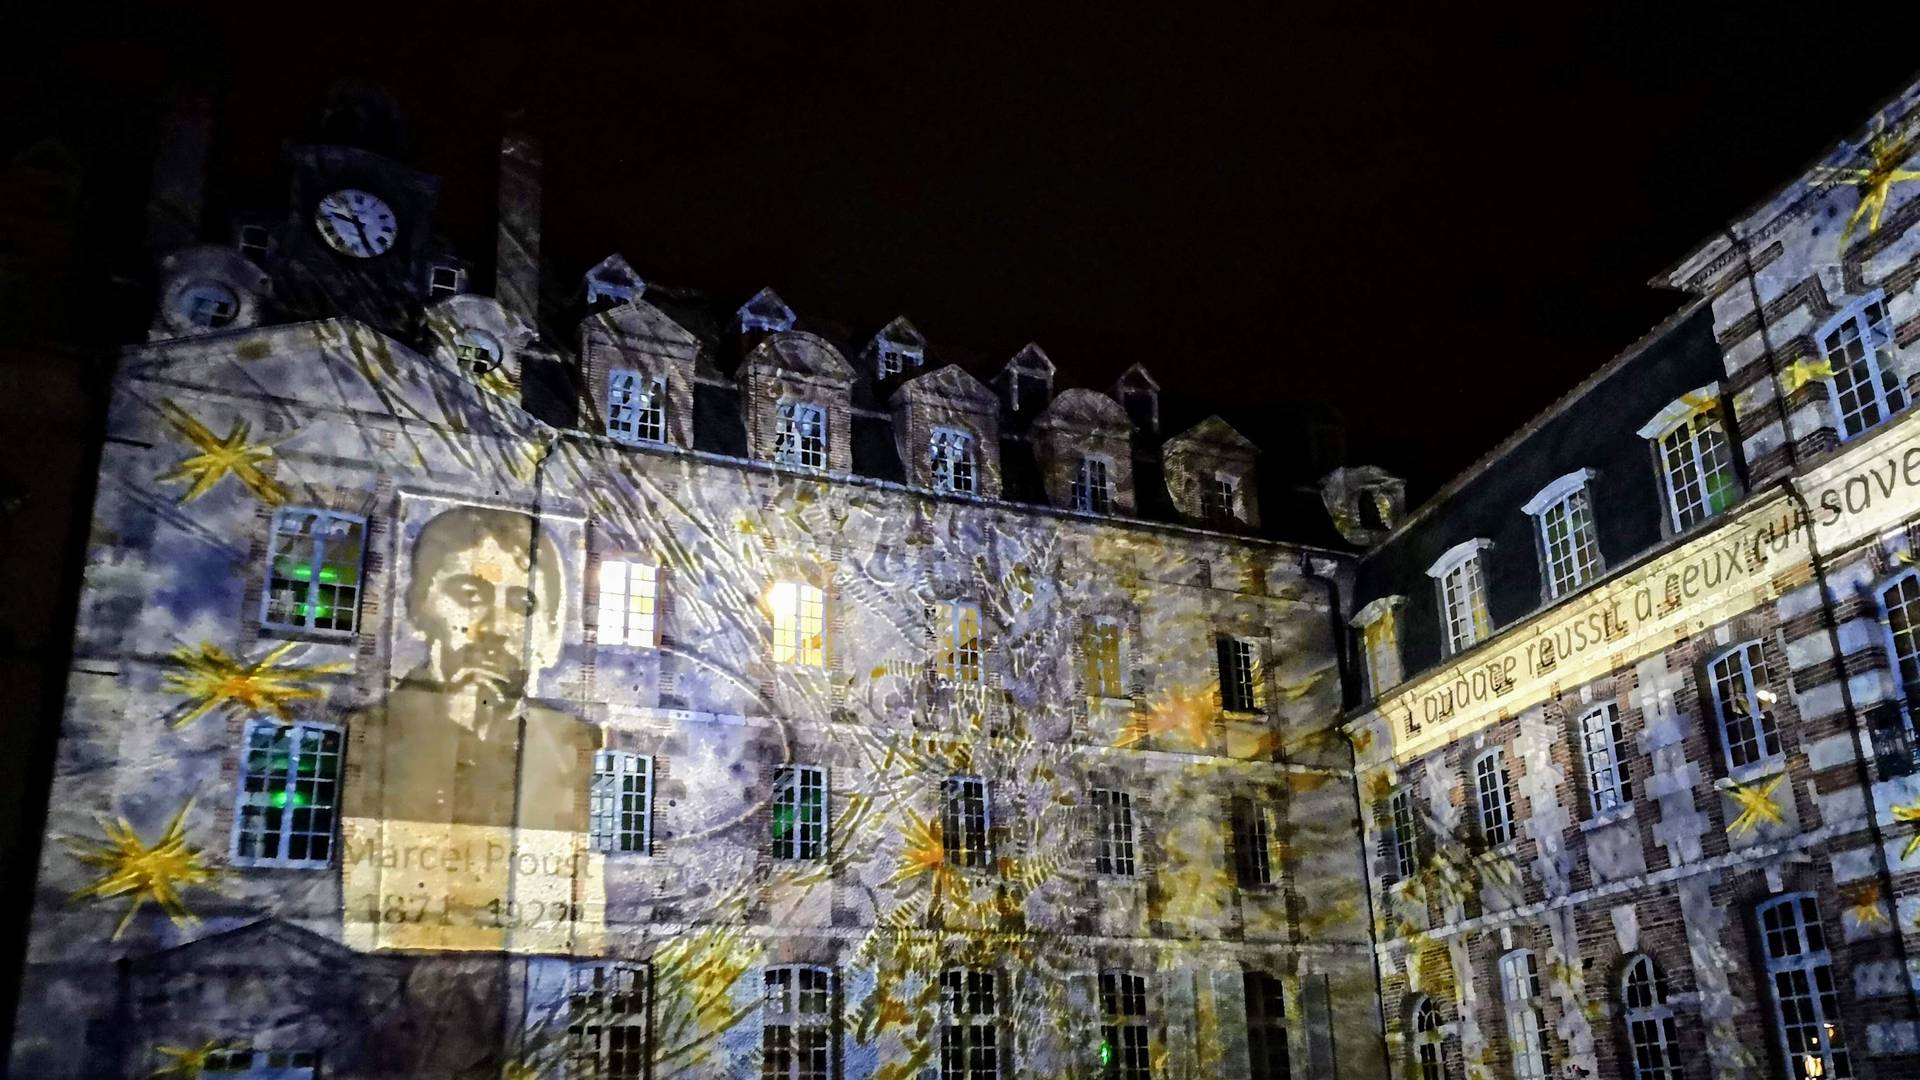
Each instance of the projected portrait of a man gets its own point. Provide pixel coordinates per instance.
(467, 807)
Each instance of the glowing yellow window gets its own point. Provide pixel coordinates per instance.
(629, 592)
(1101, 645)
(960, 653)
(799, 624)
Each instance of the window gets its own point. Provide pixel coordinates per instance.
(796, 1024)
(289, 795)
(636, 407)
(1407, 840)
(1113, 832)
(1495, 800)
(1266, 1026)
(1463, 596)
(629, 603)
(1220, 499)
(800, 435)
(209, 304)
(1569, 552)
(960, 658)
(620, 806)
(1252, 845)
(1806, 1007)
(799, 624)
(607, 1022)
(1092, 488)
(1696, 465)
(476, 351)
(1900, 606)
(443, 281)
(893, 357)
(1100, 648)
(245, 1063)
(1858, 346)
(1429, 1035)
(963, 822)
(1741, 699)
(1609, 779)
(952, 461)
(619, 292)
(969, 1031)
(1526, 1034)
(1380, 641)
(313, 571)
(1123, 1026)
(799, 812)
(1239, 675)
(1652, 1034)
(253, 241)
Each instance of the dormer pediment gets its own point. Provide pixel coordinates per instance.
(1079, 410)
(950, 383)
(640, 323)
(1027, 380)
(1030, 360)
(901, 331)
(1216, 437)
(765, 311)
(482, 339)
(899, 347)
(1139, 393)
(613, 279)
(799, 353)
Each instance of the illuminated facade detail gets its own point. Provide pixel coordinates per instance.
(1220, 499)
(1252, 844)
(1379, 627)
(970, 1025)
(1239, 674)
(1697, 466)
(607, 1012)
(1266, 1000)
(1802, 988)
(1493, 797)
(1526, 1032)
(964, 817)
(263, 1064)
(765, 312)
(799, 624)
(1429, 1041)
(629, 603)
(636, 407)
(950, 461)
(1102, 648)
(1113, 838)
(289, 795)
(962, 655)
(1123, 1030)
(1865, 389)
(1609, 776)
(1092, 489)
(1463, 595)
(1742, 698)
(313, 571)
(800, 440)
(444, 281)
(1569, 551)
(620, 805)
(796, 1024)
(799, 812)
(1653, 1033)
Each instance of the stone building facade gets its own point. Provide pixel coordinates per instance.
(1636, 744)
(639, 685)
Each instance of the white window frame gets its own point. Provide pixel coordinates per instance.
(1240, 662)
(800, 435)
(590, 1049)
(1899, 600)
(1526, 1029)
(1884, 393)
(1572, 561)
(611, 825)
(1653, 1036)
(250, 1063)
(799, 624)
(1688, 439)
(636, 407)
(628, 602)
(960, 1017)
(1099, 675)
(1802, 969)
(1114, 852)
(322, 537)
(960, 795)
(1124, 1026)
(1603, 759)
(1494, 800)
(1429, 1039)
(806, 840)
(1093, 485)
(1379, 627)
(784, 1017)
(1740, 674)
(436, 290)
(961, 660)
(1460, 588)
(953, 465)
(893, 357)
(249, 239)
(1220, 499)
(1406, 832)
(287, 833)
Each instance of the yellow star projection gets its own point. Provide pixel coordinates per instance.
(1803, 371)
(1185, 713)
(1909, 812)
(1863, 901)
(190, 1062)
(1885, 153)
(132, 868)
(1757, 805)
(214, 679)
(218, 457)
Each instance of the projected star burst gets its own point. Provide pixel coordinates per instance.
(157, 872)
(215, 679)
(192, 1062)
(218, 457)
(1885, 153)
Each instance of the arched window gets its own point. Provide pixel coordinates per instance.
(1651, 1032)
(1429, 1039)
(1806, 1003)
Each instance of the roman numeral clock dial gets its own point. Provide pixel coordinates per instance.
(355, 223)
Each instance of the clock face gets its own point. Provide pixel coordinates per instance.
(355, 223)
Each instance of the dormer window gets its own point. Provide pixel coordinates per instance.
(1696, 467)
(444, 281)
(800, 435)
(1093, 486)
(893, 357)
(952, 462)
(1462, 589)
(1858, 346)
(636, 407)
(765, 312)
(209, 304)
(252, 242)
(1220, 499)
(616, 291)
(1569, 550)
(477, 351)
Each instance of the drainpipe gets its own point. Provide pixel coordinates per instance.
(1828, 617)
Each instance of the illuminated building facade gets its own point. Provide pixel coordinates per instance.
(629, 685)
(1636, 744)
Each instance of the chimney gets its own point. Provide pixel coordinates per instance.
(516, 282)
(177, 197)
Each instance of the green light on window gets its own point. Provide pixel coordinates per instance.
(282, 798)
(782, 820)
(1106, 1052)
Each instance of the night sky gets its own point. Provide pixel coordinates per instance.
(1436, 221)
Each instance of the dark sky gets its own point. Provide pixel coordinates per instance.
(1436, 220)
